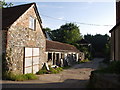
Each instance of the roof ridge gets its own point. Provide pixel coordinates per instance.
(60, 46)
(60, 42)
(21, 5)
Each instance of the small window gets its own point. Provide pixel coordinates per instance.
(49, 56)
(32, 23)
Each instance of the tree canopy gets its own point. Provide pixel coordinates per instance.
(3, 4)
(99, 42)
(47, 29)
(68, 33)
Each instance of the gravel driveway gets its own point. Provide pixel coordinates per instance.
(74, 77)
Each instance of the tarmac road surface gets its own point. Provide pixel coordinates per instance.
(75, 77)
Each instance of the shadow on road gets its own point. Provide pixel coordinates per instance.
(69, 83)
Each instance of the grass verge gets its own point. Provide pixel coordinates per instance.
(22, 77)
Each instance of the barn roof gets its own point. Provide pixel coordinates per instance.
(118, 24)
(58, 46)
(11, 14)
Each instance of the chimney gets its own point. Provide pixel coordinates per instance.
(117, 11)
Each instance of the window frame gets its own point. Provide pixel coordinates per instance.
(32, 23)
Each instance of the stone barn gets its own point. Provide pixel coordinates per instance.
(23, 41)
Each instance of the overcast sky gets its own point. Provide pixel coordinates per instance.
(91, 17)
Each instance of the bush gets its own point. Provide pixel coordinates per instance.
(66, 67)
(21, 77)
(51, 71)
(59, 69)
(42, 72)
(83, 61)
(30, 76)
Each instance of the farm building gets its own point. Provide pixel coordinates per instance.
(24, 44)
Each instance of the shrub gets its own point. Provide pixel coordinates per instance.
(66, 67)
(53, 70)
(83, 61)
(21, 77)
(59, 69)
(42, 72)
(30, 76)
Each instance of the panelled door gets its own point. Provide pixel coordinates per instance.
(31, 63)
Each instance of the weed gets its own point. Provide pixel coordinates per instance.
(21, 77)
(113, 67)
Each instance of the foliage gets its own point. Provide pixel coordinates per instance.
(113, 67)
(21, 77)
(86, 51)
(83, 61)
(47, 29)
(41, 71)
(66, 67)
(30, 76)
(68, 33)
(55, 70)
(100, 44)
(51, 71)
(59, 69)
(3, 4)
(107, 54)
(6, 57)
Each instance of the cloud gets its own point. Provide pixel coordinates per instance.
(61, 18)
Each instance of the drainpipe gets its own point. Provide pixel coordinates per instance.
(114, 45)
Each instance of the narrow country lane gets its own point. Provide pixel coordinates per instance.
(75, 77)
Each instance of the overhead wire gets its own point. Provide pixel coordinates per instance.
(76, 22)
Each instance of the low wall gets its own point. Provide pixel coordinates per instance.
(104, 80)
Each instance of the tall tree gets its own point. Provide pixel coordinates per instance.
(98, 42)
(47, 29)
(3, 4)
(68, 33)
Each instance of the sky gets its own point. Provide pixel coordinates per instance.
(84, 14)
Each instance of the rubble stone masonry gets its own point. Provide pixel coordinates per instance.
(20, 36)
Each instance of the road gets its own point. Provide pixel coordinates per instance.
(75, 77)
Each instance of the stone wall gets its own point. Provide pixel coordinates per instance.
(104, 80)
(115, 44)
(20, 36)
(18, 39)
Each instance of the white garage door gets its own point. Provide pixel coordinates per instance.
(31, 60)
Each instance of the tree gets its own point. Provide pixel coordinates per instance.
(47, 29)
(3, 4)
(98, 42)
(68, 33)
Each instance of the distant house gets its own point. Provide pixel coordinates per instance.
(115, 36)
(24, 43)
